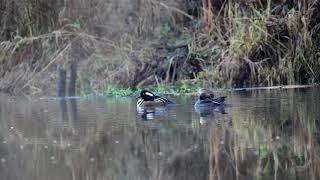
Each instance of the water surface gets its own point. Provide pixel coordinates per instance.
(262, 134)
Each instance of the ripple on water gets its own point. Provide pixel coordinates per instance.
(260, 130)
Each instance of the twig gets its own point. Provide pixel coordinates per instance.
(177, 10)
(48, 65)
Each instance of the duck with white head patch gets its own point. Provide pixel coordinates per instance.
(149, 99)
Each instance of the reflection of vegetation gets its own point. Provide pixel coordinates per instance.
(264, 135)
(269, 141)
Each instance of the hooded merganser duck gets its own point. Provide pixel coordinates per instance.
(148, 99)
(206, 99)
(207, 105)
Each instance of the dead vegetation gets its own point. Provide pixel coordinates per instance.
(158, 43)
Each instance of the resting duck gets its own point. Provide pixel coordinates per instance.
(206, 99)
(148, 99)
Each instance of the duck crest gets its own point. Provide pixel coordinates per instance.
(147, 98)
(147, 95)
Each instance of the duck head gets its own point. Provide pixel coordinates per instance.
(205, 94)
(147, 95)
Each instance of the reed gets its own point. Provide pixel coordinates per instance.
(230, 43)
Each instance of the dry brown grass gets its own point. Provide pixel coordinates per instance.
(103, 36)
(230, 43)
(258, 44)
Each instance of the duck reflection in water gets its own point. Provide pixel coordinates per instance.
(207, 105)
(150, 113)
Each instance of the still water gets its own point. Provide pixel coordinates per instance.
(262, 134)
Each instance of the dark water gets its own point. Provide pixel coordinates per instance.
(265, 134)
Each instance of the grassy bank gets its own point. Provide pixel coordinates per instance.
(147, 43)
(111, 91)
(125, 92)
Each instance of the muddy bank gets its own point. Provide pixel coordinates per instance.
(142, 43)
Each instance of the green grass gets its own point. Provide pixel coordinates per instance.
(112, 91)
(183, 88)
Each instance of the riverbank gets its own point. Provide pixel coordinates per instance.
(144, 43)
(116, 92)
